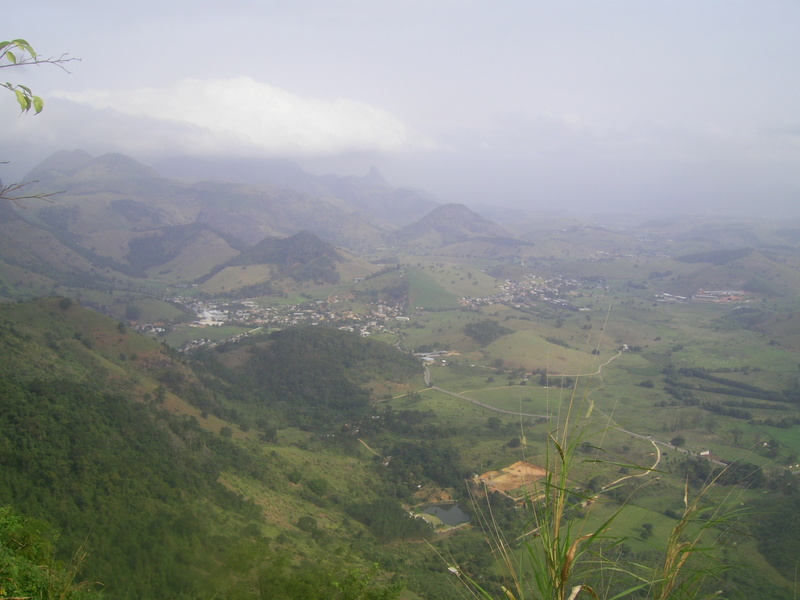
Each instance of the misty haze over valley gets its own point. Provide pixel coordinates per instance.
(586, 108)
(410, 300)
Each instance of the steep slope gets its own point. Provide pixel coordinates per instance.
(148, 462)
(33, 258)
(82, 450)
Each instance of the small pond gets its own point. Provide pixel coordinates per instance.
(449, 514)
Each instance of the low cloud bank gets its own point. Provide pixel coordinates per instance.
(213, 115)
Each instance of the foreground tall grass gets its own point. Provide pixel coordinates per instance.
(562, 557)
(28, 568)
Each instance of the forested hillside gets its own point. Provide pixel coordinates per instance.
(86, 448)
(99, 438)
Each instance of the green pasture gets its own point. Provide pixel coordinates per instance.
(459, 375)
(734, 350)
(483, 434)
(529, 399)
(196, 260)
(783, 325)
(628, 521)
(529, 349)
(349, 306)
(630, 367)
(463, 281)
(389, 338)
(639, 521)
(310, 490)
(789, 439)
(152, 310)
(770, 378)
(354, 268)
(425, 292)
(317, 292)
(444, 329)
(616, 324)
(483, 444)
(618, 397)
(379, 281)
(681, 334)
(611, 271)
(232, 278)
(450, 411)
(17, 283)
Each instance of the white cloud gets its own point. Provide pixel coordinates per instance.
(241, 113)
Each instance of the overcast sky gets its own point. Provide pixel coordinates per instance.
(636, 105)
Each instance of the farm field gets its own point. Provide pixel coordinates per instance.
(617, 372)
(653, 393)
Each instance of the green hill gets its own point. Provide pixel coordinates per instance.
(87, 449)
(132, 456)
(444, 225)
(117, 219)
(302, 257)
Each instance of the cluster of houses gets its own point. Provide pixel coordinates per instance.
(708, 296)
(381, 317)
(434, 357)
(551, 291)
(720, 295)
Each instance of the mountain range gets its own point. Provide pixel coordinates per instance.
(115, 223)
(114, 218)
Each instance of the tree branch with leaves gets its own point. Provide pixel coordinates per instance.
(19, 53)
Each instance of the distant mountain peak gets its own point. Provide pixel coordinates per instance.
(454, 208)
(369, 196)
(374, 178)
(66, 162)
(450, 223)
(122, 165)
(459, 214)
(80, 164)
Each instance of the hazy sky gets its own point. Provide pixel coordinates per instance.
(641, 105)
